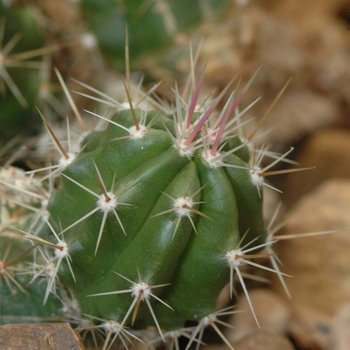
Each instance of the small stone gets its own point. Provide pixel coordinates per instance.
(328, 152)
(263, 340)
(39, 336)
(340, 336)
(320, 265)
(271, 311)
(298, 113)
(309, 328)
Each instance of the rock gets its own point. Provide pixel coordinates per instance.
(271, 311)
(340, 336)
(326, 150)
(298, 113)
(263, 340)
(309, 328)
(320, 265)
(39, 336)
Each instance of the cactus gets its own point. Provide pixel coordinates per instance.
(142, 225)
(20, 40)
(21, 289)
(153, 25)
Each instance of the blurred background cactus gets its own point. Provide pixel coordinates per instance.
(20, 61)
(153, 25)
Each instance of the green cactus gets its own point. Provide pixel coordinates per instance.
(22, 274)
(152, 24)
(149, 220)
(20, 39)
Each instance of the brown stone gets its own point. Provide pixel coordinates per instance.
(309, 328)
(328, 152)
(320, 265)
(262, 340)
(270, 309)
(44, 336)
(340, 336)
(298, 113)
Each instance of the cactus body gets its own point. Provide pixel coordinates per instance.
(138, 210)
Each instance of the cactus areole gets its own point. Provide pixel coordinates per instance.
(149, 210)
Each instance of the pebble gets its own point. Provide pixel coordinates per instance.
(328, 151)
(320, 265)
(43, 336)
(309, 328)
(271, 310)
(340, 335)
(263, 340)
